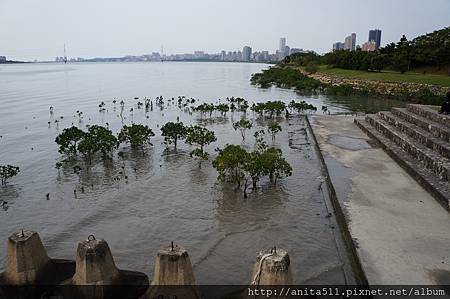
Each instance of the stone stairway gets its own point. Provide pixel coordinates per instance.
(418, 138)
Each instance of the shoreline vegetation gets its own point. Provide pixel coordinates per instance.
(12, 62)
(416, 71)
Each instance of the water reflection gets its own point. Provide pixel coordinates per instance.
(8, 195)
(141, 202)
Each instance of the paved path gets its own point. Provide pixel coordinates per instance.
(401, 232)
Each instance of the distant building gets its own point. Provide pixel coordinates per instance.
(375, 36)
(353, 36)
(338, 46)
(287, 50)
(2, 58)
(369, 46)
(295, 50)
(246, 53)
(282, 44)
(199, 54)
(282, 48)
(350, 42)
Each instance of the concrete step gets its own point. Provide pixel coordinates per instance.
(430, 112)
(426, 178)
(435, 128)
(417, 133)
(427, 157)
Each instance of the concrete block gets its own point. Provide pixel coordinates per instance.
(94, 263)
(97, 275)
(26, 258)
(173, 267)
(272, 267)
(173, 276)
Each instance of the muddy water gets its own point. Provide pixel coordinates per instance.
(166, 195)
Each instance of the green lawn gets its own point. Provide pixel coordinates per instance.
(411, 77)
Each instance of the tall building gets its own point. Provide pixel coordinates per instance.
(282, 44)
(375, 36)
(353, 41)
(350, 42)
(282, 48)
(2, 58)
(246, 53)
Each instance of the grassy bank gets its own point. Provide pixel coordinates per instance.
(408, 77)
(292, 77)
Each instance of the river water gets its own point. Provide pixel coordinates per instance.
(167, 196)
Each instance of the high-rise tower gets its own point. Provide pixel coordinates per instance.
(375, 36)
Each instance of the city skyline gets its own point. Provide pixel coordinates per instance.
(245, 55)
(117, 28)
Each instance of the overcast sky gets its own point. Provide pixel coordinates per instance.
(38, 29)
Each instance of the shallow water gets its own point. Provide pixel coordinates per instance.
(167, 196)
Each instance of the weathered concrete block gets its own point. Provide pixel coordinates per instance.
(97, 276)
(26, 258)
(94, 263)
(173, 267)
(27, 263)
(174, 276)
(272, 267)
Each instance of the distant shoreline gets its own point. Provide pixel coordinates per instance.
(12, 62)
(187, 60)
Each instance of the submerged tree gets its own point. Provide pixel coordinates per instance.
(254, 167)
(242, 125)
(204, 108)
(106, 140)
(197, 135)
(273, 128)
(222, 108)
(229, 163)
(301, 107)
(172, 132)
(275, 164)
(7, 172)
(136, 135)
(68, 140)
(98, 139)
(274, 108)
